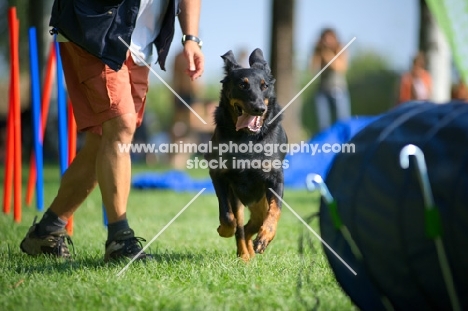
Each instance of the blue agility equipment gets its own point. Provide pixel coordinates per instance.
(62, 114)
(178, 181)
(36, 117)
(303, 163)
(402, 196)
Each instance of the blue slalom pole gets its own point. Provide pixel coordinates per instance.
(62, 114)
(37, 120)
(104, 215)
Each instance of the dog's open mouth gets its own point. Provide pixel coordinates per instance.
(245, 120)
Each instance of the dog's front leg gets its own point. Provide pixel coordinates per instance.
(268, 229)
(258, 212)
(227, 221)
(238, 209)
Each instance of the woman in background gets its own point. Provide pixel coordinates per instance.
(460, 91)
(417, 83)
(332, 99)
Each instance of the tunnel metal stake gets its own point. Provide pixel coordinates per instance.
(433, 224)
(315, 182)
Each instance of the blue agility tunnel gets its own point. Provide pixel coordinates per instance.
(410, 256)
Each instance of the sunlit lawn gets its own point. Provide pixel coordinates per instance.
(195, 269)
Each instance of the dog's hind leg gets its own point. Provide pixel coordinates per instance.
(258, 212)
(268, 228)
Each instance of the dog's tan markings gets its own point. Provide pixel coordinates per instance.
(258, 213)
(227, 230)
(234, 101)
(268, 229)
(246, 80)
(242, 250)
(238, 208)
(266, 101)
(263, 85)
(234, 113)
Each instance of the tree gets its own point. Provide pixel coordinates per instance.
(21, 13)
(373, 85)
(434, 44)
(39, 15)
(30, 13)
(282, 45)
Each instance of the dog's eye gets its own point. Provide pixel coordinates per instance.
(244, 85)
(264, 86)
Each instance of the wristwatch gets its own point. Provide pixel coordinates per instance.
(185, 38)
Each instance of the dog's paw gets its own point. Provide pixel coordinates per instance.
(245, 257)
(250, 248)
(264, 237)
(260, 245)
(226, 232)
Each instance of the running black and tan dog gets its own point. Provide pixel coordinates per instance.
(250, 168)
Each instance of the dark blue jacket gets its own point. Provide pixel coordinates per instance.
(95, 25)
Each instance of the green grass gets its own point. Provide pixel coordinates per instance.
(195, 269)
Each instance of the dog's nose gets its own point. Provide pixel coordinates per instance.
(260, 109)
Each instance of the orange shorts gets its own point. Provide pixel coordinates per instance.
(99, 93)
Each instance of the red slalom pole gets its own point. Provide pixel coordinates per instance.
(31, 179)
(13, 23)
(10, 153)
(71, 151)
(45, 104)
(48, 83)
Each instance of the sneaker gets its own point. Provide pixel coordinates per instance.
(125, 246)
(54, 244)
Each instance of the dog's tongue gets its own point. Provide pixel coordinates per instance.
(246, 120)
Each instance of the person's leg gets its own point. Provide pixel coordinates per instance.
(113, 167)
(342, 104)
(127, 89)
(49, 235)
(76, 184)
(322, 106)
(79, 179)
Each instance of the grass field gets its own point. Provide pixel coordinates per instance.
(195, 269)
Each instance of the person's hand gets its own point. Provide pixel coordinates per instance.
(327, 55)
(195, 60)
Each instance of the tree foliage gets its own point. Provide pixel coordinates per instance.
(22, 11)
(373, 85)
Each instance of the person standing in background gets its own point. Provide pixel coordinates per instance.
(190, 92)
(460, 91)
(332, 98)
(416, 84)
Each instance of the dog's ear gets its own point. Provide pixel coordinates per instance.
(256, 60)
(230, 62)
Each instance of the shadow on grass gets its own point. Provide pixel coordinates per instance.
(178, 257)
(21, 263)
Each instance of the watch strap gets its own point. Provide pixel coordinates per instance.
(185, 38)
